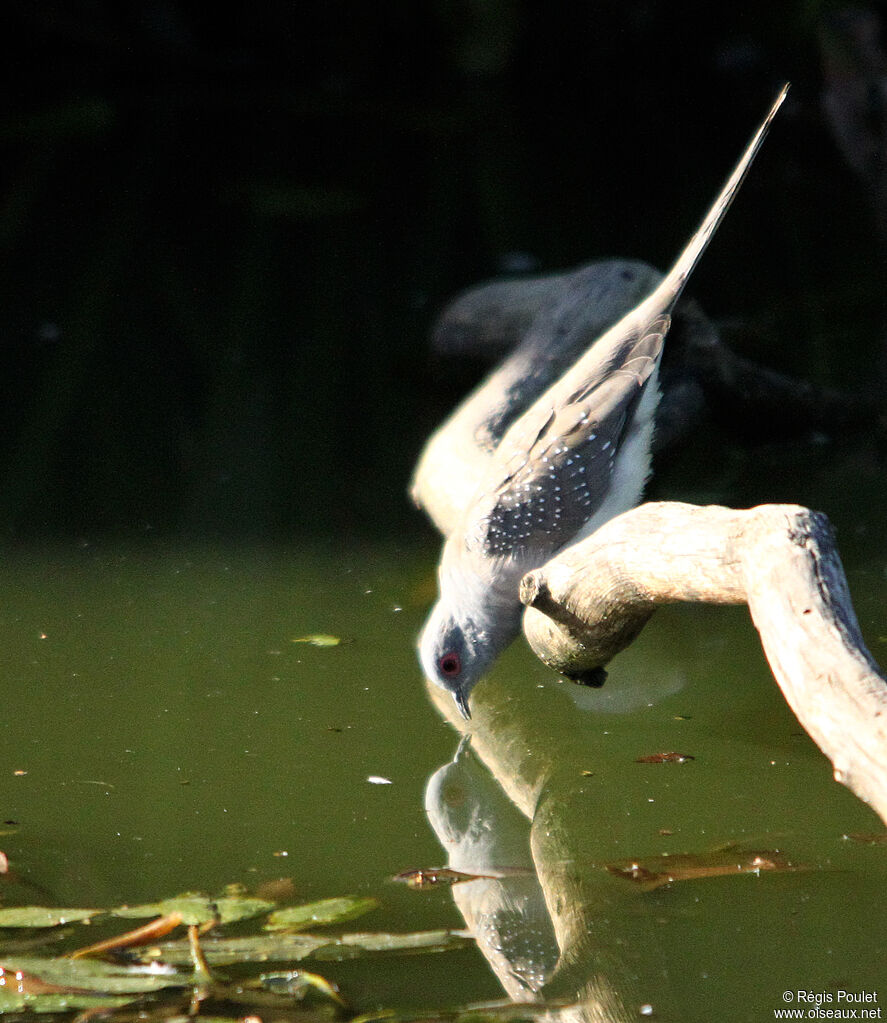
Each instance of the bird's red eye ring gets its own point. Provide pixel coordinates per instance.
(450, 665)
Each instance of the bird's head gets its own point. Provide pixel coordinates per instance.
(454, 653)
(476, 616)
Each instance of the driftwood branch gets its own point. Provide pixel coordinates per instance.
(589, 602)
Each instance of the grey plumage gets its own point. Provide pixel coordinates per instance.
(578, 456)
(559, 473)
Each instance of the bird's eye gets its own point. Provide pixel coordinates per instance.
(450, 665)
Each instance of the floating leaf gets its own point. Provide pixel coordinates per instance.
(299, 983)
(877, 838)
(656, 871)
(19, 996)
(200, 909)
(231, 908)
(324, 913)
(354, 946)
(280, 889)
(193, 907)
(95, 976)
(426, 878)
(487, 1012)
(665, 758)
(59, 985)
(257, 948)
(286, 946)
(318, 639)
(23, 983)
(43, 916)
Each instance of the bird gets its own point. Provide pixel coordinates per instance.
(487, 837)
(578, 456)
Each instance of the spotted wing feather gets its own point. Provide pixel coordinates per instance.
(558, 464)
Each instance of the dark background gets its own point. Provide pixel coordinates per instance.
(225, 230)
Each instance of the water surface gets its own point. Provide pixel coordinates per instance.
(164, 732)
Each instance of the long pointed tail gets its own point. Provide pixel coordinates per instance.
(668, 291)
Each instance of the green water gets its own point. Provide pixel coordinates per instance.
(163, 732)
(224, 244)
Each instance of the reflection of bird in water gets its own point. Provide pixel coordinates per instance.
(484, 833)
(578, 456)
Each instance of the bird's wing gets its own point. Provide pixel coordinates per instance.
(552, 470)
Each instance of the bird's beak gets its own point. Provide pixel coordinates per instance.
(462, 703)
(464, 748)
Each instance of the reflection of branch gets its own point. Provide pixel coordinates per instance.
(746, 398)
(591, 600)
(535, 932)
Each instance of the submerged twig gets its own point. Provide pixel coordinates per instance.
(144, 935)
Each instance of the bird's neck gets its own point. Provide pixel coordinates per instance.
(484, 590)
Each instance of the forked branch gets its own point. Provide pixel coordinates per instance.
(592, 600)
